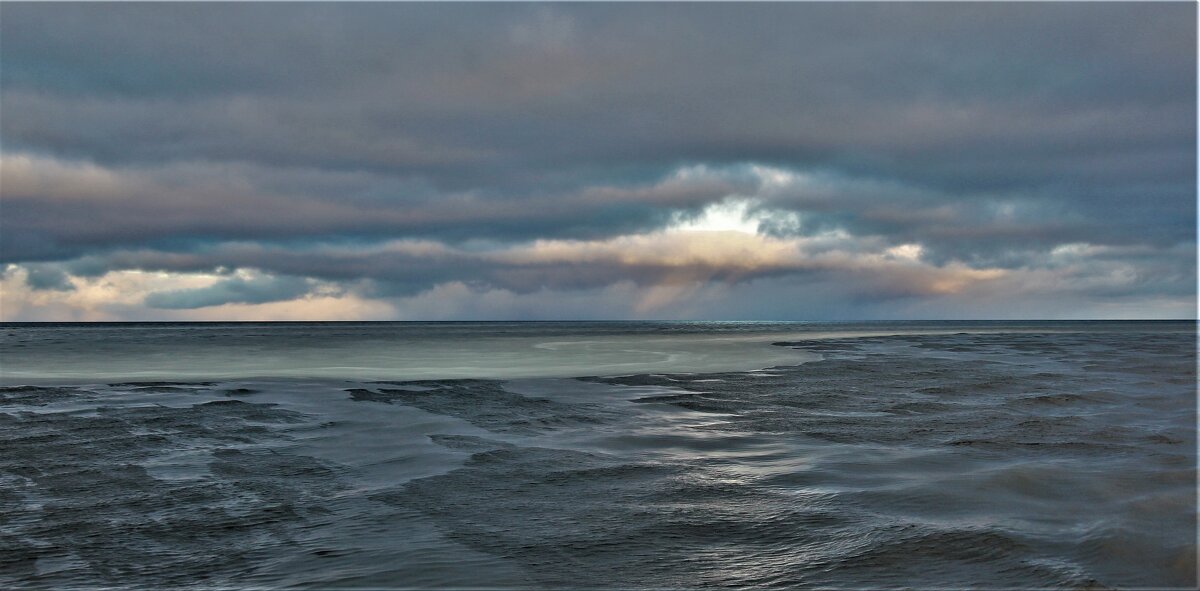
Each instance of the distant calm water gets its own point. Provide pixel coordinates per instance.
(598, 455)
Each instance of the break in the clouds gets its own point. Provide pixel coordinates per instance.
(440, 161)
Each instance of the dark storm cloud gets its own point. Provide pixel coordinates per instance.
(987, 133)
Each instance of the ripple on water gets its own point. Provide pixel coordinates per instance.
(921, 460)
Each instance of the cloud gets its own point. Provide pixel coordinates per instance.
(58, 209)
(122, 295)
(508, 96)
(48, 277)
(510, 156)
(234, 290)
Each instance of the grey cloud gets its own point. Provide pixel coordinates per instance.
(945, 94)
(83, 207)
(987, 133)
(234, 290)
(48, 277)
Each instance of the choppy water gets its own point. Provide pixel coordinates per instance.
(599, 455)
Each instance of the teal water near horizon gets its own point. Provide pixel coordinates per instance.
(598, 455)
(79, 352)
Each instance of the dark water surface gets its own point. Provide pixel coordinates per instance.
(598, 455)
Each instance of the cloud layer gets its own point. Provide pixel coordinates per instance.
(567, 161)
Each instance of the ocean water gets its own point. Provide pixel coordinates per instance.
(598, 455)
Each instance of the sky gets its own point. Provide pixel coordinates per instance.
(793, 161)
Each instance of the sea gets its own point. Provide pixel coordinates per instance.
(598, 455)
